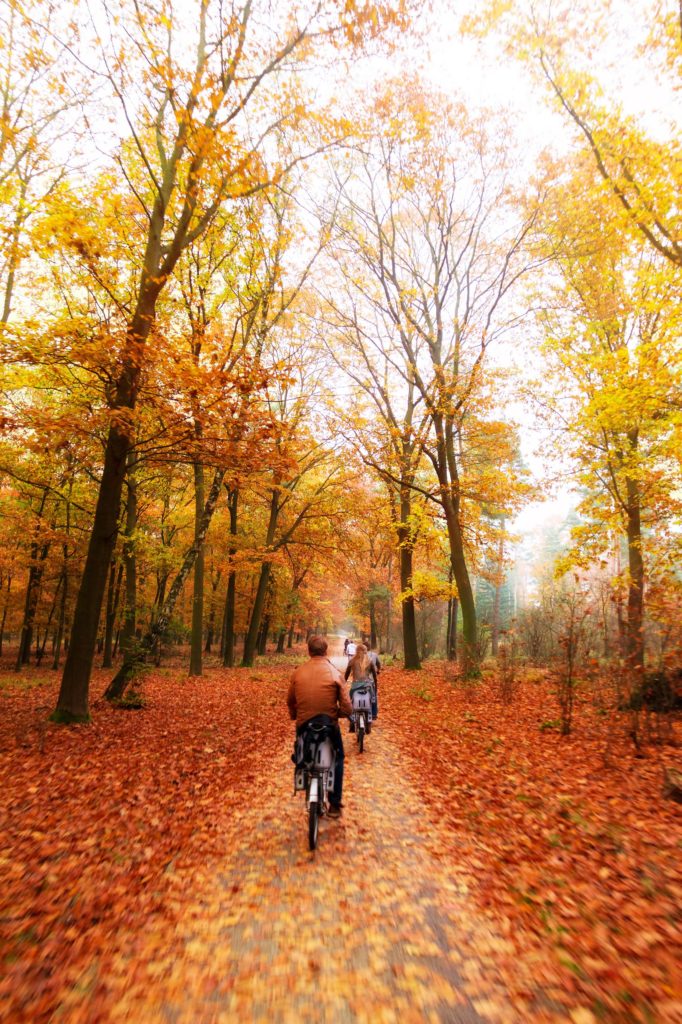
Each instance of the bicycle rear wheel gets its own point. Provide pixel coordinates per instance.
(361, 734)
(313, 824)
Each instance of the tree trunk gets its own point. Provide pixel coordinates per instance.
(280, 641)
(230, 597)
(127, 640)
(210, 631)
(389, 605)
(451, 647)
(251, 640)
(448, 478)
(72, 704)
(290, 638)
(130, 665)
(410, 646)
(35, 576)
(109, 618)
(41, 647)
(372, 623)
(4, 612)
(252, 636)
(635, 624)
(263, 638)
(12, 252)
(495, 625)
(195, 657)
(62, 613)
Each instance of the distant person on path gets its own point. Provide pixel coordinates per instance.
(351, 649)
(364, 673)
(318, 688)
(345, 646)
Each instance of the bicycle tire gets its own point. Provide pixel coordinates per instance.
(361, 738)
(313, 824)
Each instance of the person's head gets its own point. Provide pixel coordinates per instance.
(317, 646)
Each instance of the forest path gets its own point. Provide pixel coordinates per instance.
(371, 927)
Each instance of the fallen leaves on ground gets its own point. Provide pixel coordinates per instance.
(155, 863)
(110, 824)
(568, 841)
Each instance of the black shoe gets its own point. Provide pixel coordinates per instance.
(335, 810)
(351, 727)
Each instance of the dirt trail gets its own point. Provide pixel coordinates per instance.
(372, 927)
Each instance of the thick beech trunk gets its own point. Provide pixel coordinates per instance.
(410, 646)
(131, 665)
(72, 704)
(195, 656)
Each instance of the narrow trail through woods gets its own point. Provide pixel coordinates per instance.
(371, 927)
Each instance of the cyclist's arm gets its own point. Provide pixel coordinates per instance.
(348, 671)
(291, 699)
(345, 706)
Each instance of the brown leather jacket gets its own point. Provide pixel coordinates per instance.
(317, 688)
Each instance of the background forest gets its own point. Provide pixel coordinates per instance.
(282, 356)
(364, 319)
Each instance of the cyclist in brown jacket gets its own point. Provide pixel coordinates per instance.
(318, 688)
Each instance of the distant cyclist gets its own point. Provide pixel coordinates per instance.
(375, 659)
(362, 669)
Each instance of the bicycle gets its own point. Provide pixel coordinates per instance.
(315, 764)
(362, 714)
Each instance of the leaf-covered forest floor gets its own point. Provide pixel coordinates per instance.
(155, 865)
